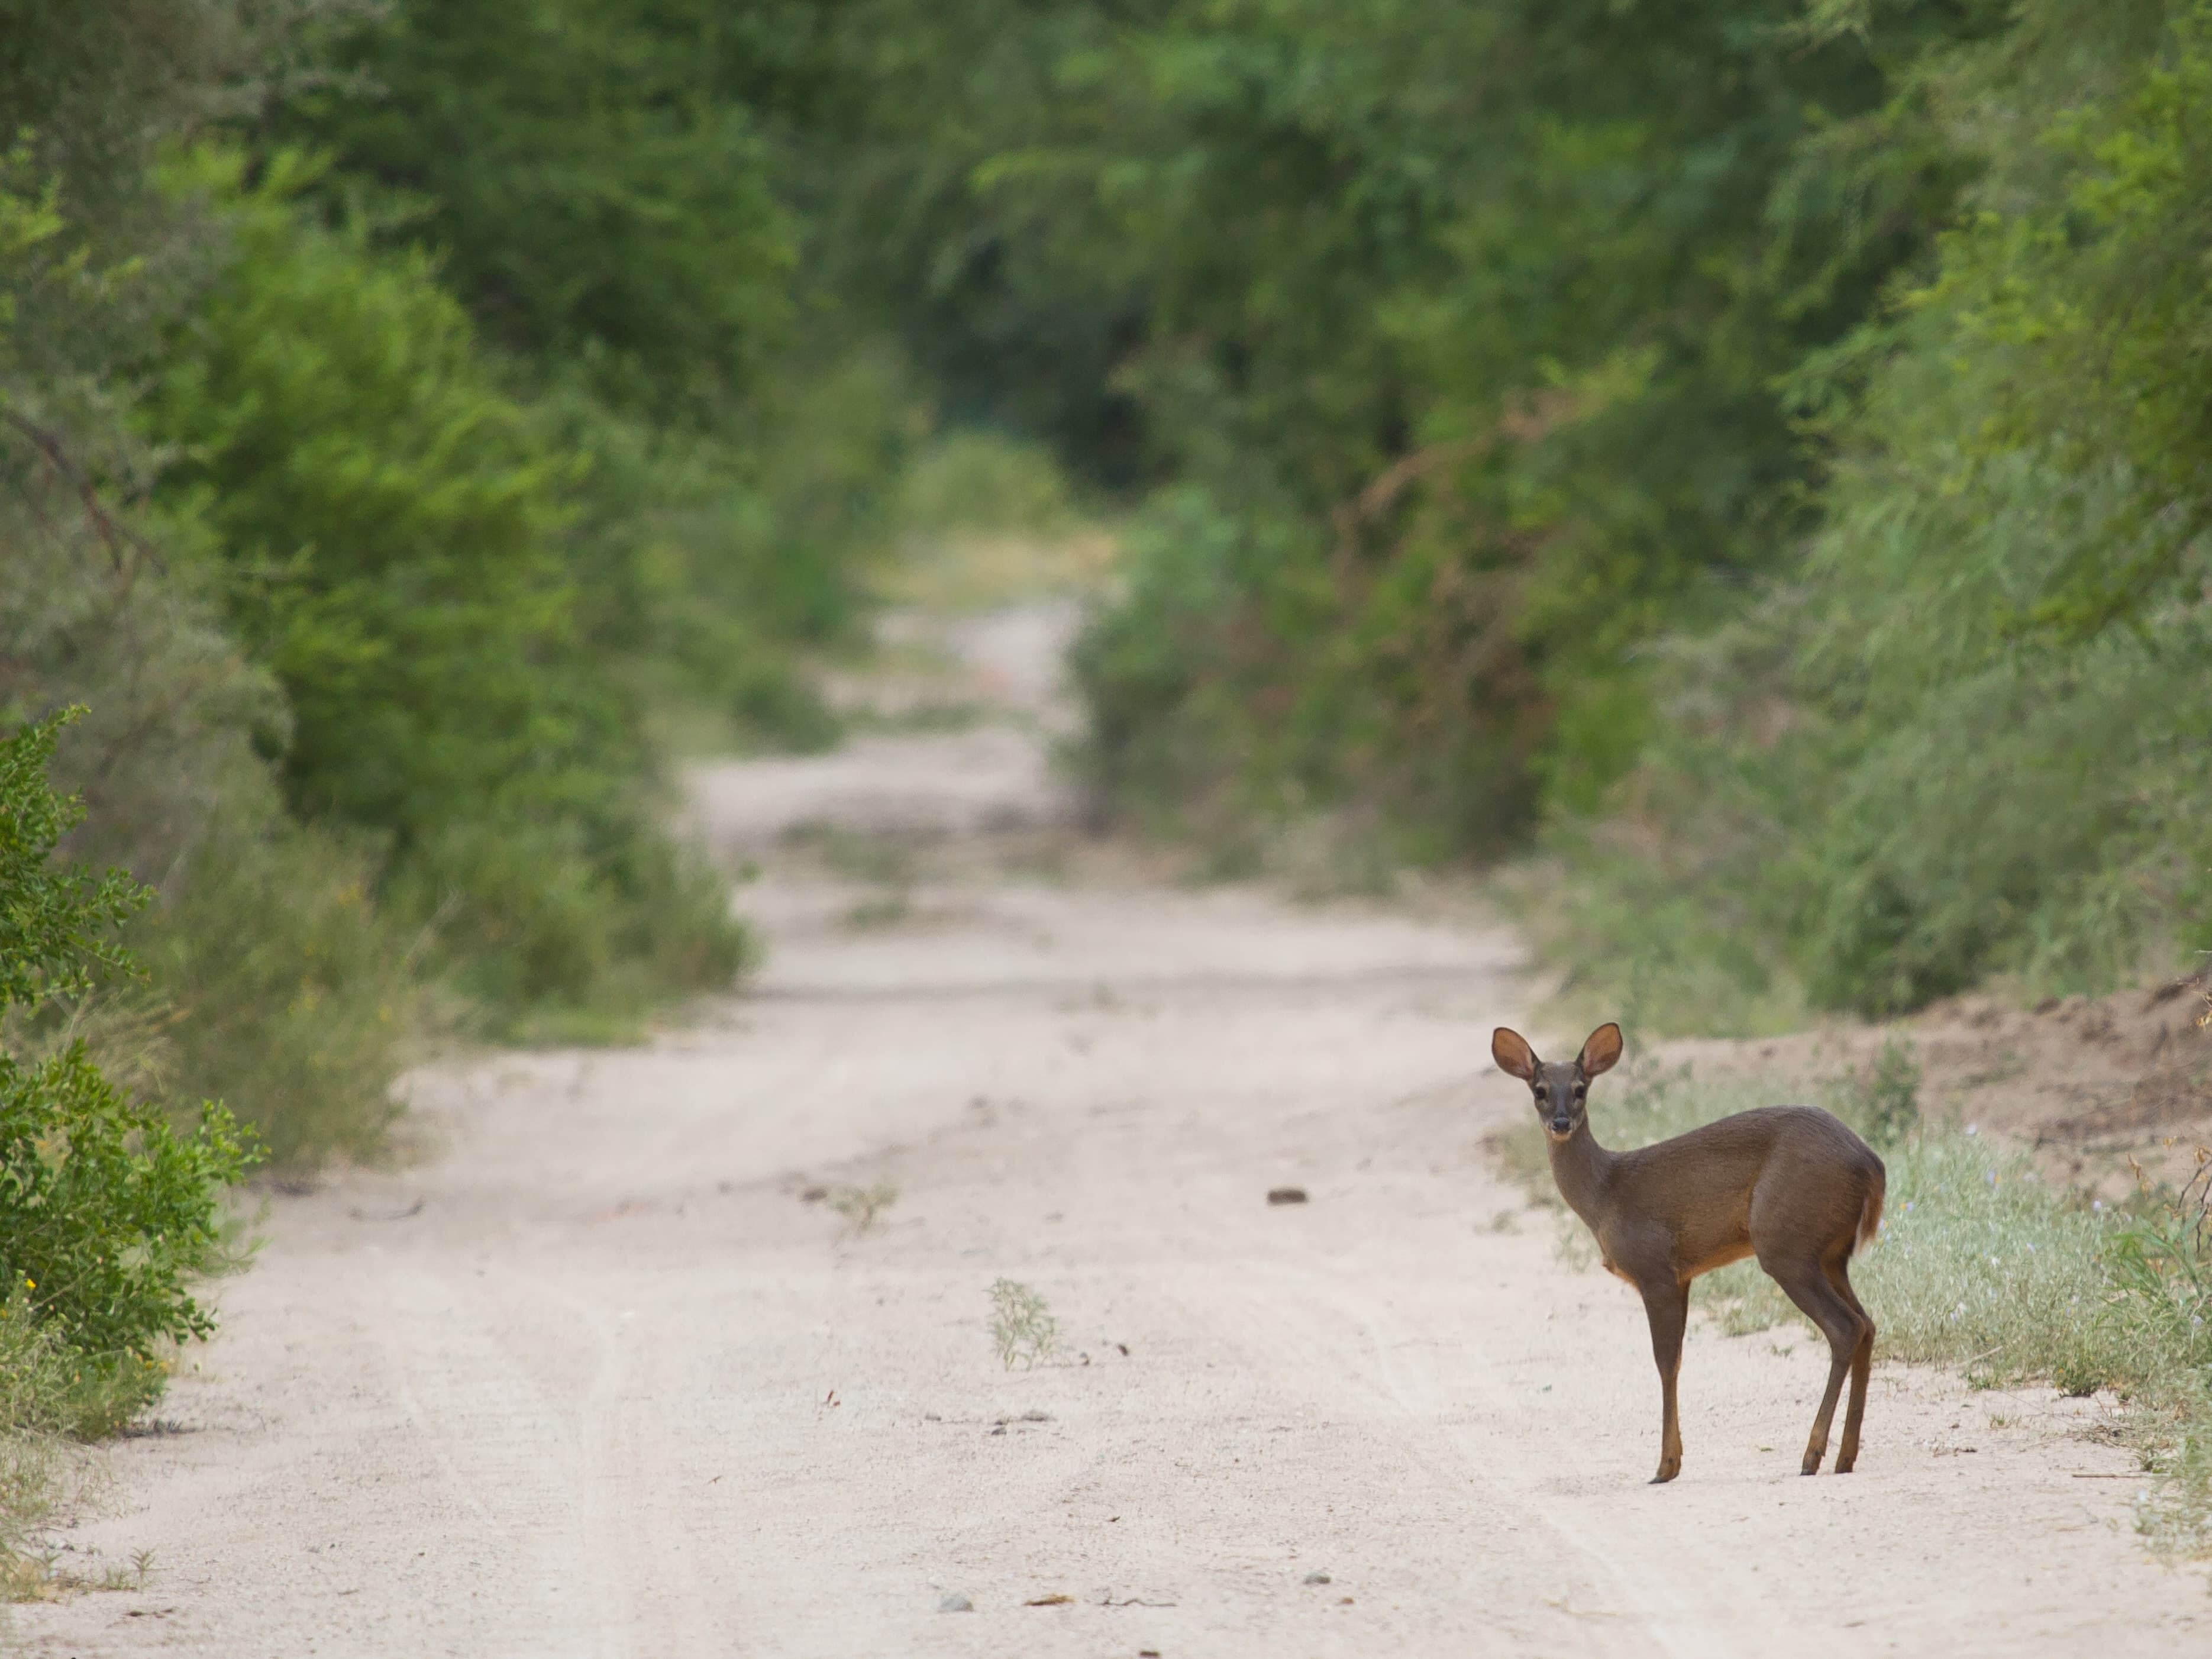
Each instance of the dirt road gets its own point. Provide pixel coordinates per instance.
(599, 1377)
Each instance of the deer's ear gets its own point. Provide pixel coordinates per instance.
(1512, 1053)
(1602, 1049)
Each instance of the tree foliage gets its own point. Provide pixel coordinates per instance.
(1963, 731)
(1757, 449)
(1499, 308)
(1769, 436)
(595, 178)
(55, 926)
(389, 513)
(107, 1214)
(391, 519)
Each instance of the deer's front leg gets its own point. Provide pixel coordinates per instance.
(1667, 1304)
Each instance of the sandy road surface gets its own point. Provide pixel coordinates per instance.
(598, 1379)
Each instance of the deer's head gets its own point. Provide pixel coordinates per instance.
(1562, 1088)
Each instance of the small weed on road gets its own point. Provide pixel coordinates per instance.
(861, 1205)
(1021, 1324)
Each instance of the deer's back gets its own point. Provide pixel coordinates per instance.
(1781, 1170)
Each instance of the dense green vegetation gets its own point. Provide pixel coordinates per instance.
(1965, 731)
(593, 173)
(1755, 451)
(1717, 444)
(374, 510)
(403, 410)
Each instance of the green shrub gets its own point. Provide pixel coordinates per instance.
(388, 511)
(287, 992)
(601, 192)
(56, 925)
(1888, 780)
(541, 926)
(673, 544)
(1889, 1095)
(828, 442)
(392, 522)
(106, 1213)
(1967, 736)
(984, 483)
(274, 981)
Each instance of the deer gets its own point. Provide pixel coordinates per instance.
(1792, 1185)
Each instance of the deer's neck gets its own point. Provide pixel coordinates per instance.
(1581, 1166)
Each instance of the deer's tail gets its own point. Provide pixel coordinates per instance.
(1871, 1209)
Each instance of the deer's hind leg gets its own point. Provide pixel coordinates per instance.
(1805, 1281)
(1840, 1277)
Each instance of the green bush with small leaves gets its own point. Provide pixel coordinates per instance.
(392, 520)
(108, 1212)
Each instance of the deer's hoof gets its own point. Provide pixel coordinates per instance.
(1811, 1465)
(1668, 1468)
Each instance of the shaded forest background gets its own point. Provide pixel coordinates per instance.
(1754, 457)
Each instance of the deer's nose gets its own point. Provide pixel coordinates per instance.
(1561, 1123)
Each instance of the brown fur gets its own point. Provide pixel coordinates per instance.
(1791, 1185)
